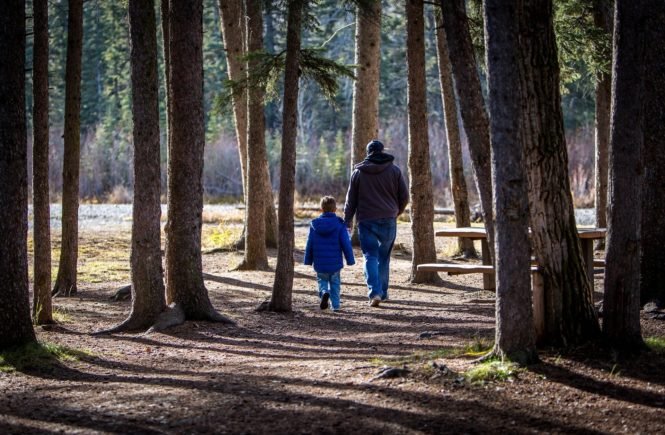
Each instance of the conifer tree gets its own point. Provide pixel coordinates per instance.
(515, 334)
(42, 307)
(184, 276)
(65, 283)
(15, 326)
(281, 299)
(420, 176)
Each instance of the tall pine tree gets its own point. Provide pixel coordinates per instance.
(15, 325)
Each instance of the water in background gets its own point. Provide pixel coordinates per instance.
(100, 217)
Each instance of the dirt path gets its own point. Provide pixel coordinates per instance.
(312, 371)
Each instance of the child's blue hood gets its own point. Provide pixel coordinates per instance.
(326, 223)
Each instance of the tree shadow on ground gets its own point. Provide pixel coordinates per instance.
(646, 367)
(234, 402)
(606, 388)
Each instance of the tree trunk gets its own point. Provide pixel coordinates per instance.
(272, 115)
(602, 16)
(255, 257)
(270, 214)
(365, 124)
(569, 313)
(653, 217)
(420, 175)
(234, 28)
(15, 325)
(282, 290)
(621, 304)
(184, 281)
(148, 300)
(65, 283)
(42, 308)
(457, 181)
(602, 139)
(234, 32)
(472, 106)
(164, 15)
(515, 334)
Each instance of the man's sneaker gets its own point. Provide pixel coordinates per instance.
(324, 301)
(375, 301)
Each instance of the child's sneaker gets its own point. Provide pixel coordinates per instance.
(324, 301)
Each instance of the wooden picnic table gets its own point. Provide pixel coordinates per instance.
(587, 237)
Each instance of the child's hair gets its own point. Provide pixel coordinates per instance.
(328, 204)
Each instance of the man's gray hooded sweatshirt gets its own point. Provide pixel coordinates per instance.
(377, 190)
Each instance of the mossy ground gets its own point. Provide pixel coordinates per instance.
(656, 344)
(38, 356)
(478, 346)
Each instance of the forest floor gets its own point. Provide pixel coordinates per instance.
(312, 371)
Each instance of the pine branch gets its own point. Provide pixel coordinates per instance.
(323, 71)
(268, 69)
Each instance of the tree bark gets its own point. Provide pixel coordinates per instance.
(164, 15)
(457, 181)
(148, 299)
(271, 212)
(515, 333)
(472, 106)
(185, 286)
(420, 175)
(65, 283)
(365, 106)
(282, 290)
(621, 304)
(653, 217)
(234, 33)
(15, 324)
(365, 123)
(569, 313)
(255, 257)
(272, 115)
(42, 311)
(602, 139)
(602, 16)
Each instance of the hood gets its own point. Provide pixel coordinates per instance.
(375, 163)
(326, 223)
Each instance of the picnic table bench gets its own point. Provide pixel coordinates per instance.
(587, 236)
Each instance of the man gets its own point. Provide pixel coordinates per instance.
(377, 195)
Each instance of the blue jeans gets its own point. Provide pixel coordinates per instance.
(330, 283)
(377, 237)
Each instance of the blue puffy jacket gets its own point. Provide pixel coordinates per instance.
(326, 242)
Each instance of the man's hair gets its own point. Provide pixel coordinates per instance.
(328, 204)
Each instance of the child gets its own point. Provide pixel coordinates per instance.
(327, 240)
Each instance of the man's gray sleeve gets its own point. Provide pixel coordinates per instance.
(351, 200)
